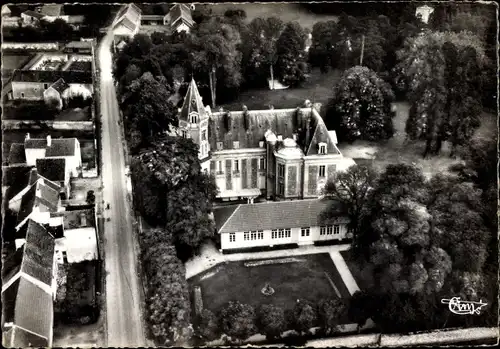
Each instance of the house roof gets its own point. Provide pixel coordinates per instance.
(222, 214)
(192, 103)
(51, 76)
(53, 169)
(12, 265)
(16, 178)
(321, 135)
(274, 215)
(129, 16)
(39, 194)
(180, 12)
(30, 310)
(38, 259)
(60, 85)
(17, 154)
(152, 17)
(33, 14)
(79, 44)
(53, 10)
(62, 147)
(35, 143)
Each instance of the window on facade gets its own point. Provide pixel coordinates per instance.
(194, 118)
(219, 145)
(274, 234)
(236, 145)
(232, 237)
(322, 171)
(204, 135)
(305, 232)
(336, 229)
(22, 94)
(288, 232)
(322, 231)
(253, 235)
(260, 234)
(45, 86)
(246, 236)
(262, 163)
(281, 170)
(322, 149)
(219, 166)
(236, 166)
(184, 133)
(281, 188)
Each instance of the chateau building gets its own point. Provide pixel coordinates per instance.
(275, 153)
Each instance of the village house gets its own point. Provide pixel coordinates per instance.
(127, 23)
(275, 153)
(47, 13)
(55, 170)
(271, 224)
(59, 148)
(29, 290)
(178, 18)
(53, 95)
(32, 84)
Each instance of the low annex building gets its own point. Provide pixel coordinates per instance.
(178, 18)
(276, 153)
(279, 223)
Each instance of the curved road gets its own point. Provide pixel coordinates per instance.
(124, 326)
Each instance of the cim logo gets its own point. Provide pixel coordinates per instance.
(460, 307)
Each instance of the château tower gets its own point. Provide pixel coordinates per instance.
(193, 120)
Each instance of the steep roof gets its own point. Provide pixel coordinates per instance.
(180, 12)
(60, 85)
(35, 143)
(62, 147)
(16, 178)
(12, 265)
(52, 169)
(40, 194)
(30, 310)
(321, 135)
(192, 103)
(38, 259)
(17, 154)
(129, 16)
(275, 215)
(51, 76)
(33, 14)
(79, 44)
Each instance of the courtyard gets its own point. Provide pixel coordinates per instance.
(312, 277)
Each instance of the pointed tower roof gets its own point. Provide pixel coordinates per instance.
(192, 103)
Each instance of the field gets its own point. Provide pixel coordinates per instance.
(317, 88)
(309, 278)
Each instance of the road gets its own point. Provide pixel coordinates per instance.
(124, 326)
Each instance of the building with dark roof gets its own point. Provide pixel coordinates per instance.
(17, 154)
(54, 148)
(29, 289)
(127, 21)
(55, 170)
(297, 222)
(179, 18)
(276, 153)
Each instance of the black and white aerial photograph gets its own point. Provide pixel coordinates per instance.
(243, 174)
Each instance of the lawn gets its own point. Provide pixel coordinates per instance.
(308, 278)
(74, 114)
(317, 88)
(80, 66)
(360, 270)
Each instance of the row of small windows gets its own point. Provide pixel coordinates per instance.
(236, 145)
(285, 233)
(329, 230)
(236, 165)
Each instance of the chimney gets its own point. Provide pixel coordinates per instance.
(28, 135)
(271, 107)
(246, 117)
(49, 141)
(83, 219)
(228, 121)
(294, 137)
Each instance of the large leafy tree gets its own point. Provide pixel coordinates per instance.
(304, 316)
(351, 188)
(214, 56)
(361, 106)
(330, 313)
(147, 111)
(271, 321)
(325, 37)
(443, 73)
(259, 52)
(290, 46)
(179, 196)
(208, 328)
(238, 320)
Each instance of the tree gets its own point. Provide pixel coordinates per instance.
(351, 188)
(271, 321)
(147, 110)
(238, 320)
(90, 197)
(304, 316)
(330, 312)
(208, 327)
(290, 47)
(213, 54)
(58, 29)
(361, 106)
(443, 73)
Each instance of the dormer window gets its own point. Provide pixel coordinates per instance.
(261, 144)
(236, 145)
(322, 148)
(219, 145)
(193, 118)
(280, 138)
(184, 134)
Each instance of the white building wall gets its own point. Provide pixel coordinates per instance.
(34, 154)
(295, 238)
(79, 244)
